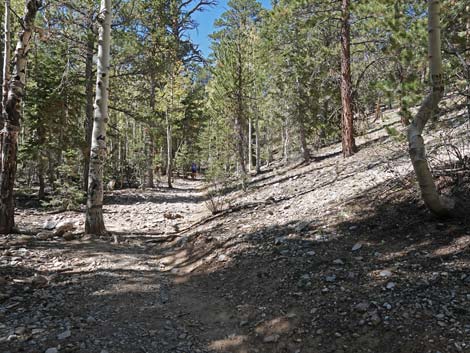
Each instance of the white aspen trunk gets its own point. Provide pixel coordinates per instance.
(12, 118)
(6, 56)
(467, 61)
(436, 204)
(94, 223)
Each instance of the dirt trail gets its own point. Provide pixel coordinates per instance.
(334, 256)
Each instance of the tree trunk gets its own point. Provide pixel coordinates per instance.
(169, 162)
(148, 177)
(90, 48)
(285, 140)
(94, 223)
(250, 144)
(258, 148)
(436, 204)
(467, 60)
(303, 143)
(347, 131)
(150, 148)
(12, 117)
(6, 57)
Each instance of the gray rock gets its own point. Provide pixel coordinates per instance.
(390, 285)
(338, 262)
(52, 350)
(356, 247)
(385, 273)
(49, 224)
(271, 339)
(362, 307)
(331, 278)
(64, 335)
(39, 281)
(375, 319)
(68, 236)
(63, 227)
(44, 235)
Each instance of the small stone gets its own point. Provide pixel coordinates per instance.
(271, 339)
(375, 319)
(243, 323)
(385, 273)
(64, 335)
(338, 262)
(222, 258)
(63, 227)
(390, 285)
(387, 306)
(356, 247)
(362, 307)
(331, 278)
(49, 224)
(279, 240)
(68, 236)
(45, 235)
(353, 227)
(52, 350)
(302, 226)
(39, 281)
(20, 330)
(310, 253)
(337, 334)
(319, 331)
(442, 323)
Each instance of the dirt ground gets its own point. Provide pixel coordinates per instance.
(339, 255)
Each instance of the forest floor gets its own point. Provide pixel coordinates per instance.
(338, 255)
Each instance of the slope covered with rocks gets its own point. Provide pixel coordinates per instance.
(338, 255)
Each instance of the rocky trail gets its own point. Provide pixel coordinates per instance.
(338, 255)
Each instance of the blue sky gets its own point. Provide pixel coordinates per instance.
(206, 20)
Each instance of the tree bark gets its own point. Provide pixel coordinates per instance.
(437, 205)
(90, 48)
(150, 148)
(6, 57)
(347, 131)
(94, 222)
(258, 148)
(250, 144)
(12, 117)
(467, 60)
(169, 143)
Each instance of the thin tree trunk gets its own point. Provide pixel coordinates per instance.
(436, 204)
(12, 117)
(303, 143)
(349, 145)
(250, 144)
(94, 223)
(150, 148)
(285, 140)
(90, 48)
(6, 57)
(169, 143)
(258, 148)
